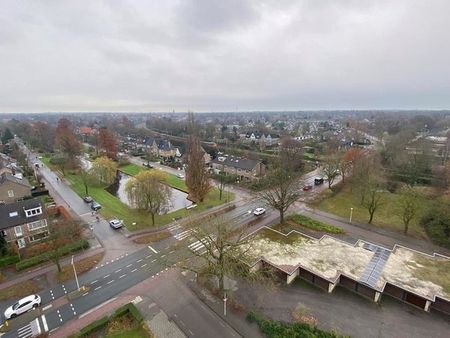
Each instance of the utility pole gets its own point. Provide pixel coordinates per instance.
(225, 304)
(351, 215)
(75, 273)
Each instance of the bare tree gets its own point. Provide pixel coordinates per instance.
(147, 192)
(330, 169)
(284, 191)
(409, 204)
(61, 232)
(372, 201)
(197, 177)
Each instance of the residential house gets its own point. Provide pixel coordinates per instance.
(23, 222)
(268, 139)
(13, 188)
(243, 168)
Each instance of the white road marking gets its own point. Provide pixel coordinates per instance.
(152, 249)
(129, 265)
(44, 322)
(148, 256)
(122, 276)
(133, 270)
(47, 307)
(85, 294)
(191, 332)
(111, 281)
(94, 282)
(106, 276)
(143, 265)
(163, 256)
(139, 260)
(98, 287)
(118, 270)
(171, 252)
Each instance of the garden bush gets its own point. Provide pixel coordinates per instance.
(314, 225)
(67, 249)
(8, 260)
(276, 329)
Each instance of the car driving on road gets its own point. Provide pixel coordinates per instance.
(115, 223)
(88, 199)
(259, 211)
(95, 206)
(22, 306)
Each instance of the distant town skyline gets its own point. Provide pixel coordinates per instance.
(217, 56)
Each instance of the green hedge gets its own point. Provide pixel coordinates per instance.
(276, 329)
(8, 260)
(65, 250)
(314, 225)
(102, 322)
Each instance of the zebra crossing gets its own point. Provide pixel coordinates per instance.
(181, 234)
(33, 329)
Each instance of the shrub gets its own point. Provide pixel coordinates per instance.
(27, 263)
(314, 225)
(275, 329)
(8, 260)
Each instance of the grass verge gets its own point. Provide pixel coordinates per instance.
(297, 220)
(20, 290)
(81, 266)
(152, 237)
(387, 215)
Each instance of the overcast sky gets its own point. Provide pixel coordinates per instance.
(223, 55)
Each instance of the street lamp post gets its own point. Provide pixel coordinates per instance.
(225, 304)
(75, 273)
(351, 215)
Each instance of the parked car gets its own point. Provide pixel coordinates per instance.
(180, 176)
(307, 187)
(22, 306)
(95, 206)
(318, 181)
(148, 165)
(88, 199)
(115, 223)
(259, 211)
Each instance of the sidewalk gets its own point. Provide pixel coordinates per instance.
(235, 319)
(49, 267)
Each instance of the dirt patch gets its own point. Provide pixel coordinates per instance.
(152, 237)
(21, 290)
(302, 314)
(81, 266)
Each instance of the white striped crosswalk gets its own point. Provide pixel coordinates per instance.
(33, 329)
(181, 234)
(178, 232)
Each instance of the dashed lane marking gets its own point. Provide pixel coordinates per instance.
(152, 249)
(47, 307)
(122, 276)
(94, 281)
(85, 294)
(133, 270)
(171, 252)
(129, 265)
(148, 256)
(59, 315)
(143, 265)
(98, 287)
(106, 276)
(111, 281)
(153, 260)
(163, 256)
(139, 260)
(118, 270)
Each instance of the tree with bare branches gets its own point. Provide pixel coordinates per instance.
(330, 168)
(283, 192)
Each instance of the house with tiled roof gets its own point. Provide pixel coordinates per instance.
(13, 188)
(242, 168)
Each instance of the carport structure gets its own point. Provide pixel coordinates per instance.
(365, 268)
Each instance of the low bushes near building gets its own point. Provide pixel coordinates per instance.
(9, 260)
(67, 249)
(276, 329)
(312, 224)
(126, 321)
(154, 237)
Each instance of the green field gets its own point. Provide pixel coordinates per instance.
(113, 207)
(387, 216)
(172, 180)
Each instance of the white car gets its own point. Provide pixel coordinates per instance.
(259, 211)
(22, 306)
(180, 176)
(115, 223)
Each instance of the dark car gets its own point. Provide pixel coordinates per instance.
(307, 187)
(95, 206)
(88, 199)
(318, 181)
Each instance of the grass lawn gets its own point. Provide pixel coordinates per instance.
(152, 237)
(296, 222)
(172, 180)
(20, 290)
(82, 266)
(113, 207)
(46, 159)
(387, 216)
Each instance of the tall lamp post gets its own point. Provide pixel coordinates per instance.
(351, 215)
(75, 273)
